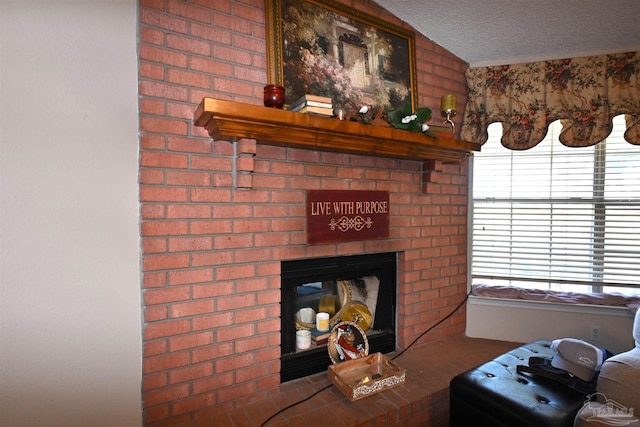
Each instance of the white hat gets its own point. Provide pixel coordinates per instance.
(577, 357)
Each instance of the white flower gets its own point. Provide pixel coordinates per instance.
(364, 109)
(407, 119)
(425, 127)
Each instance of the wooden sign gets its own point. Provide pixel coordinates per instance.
(335, 216)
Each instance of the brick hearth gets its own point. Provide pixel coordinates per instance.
(423, 400)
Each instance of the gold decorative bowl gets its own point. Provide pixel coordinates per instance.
(358, 313)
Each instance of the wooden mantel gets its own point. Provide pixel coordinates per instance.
(228, 119)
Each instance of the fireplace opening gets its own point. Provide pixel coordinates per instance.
(359, 288)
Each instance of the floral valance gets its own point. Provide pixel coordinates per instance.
(584, 93)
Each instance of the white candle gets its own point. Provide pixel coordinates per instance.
(322, 322)
(303, 339)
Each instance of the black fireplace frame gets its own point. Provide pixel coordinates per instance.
(294, 273)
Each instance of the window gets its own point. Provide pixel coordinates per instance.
(556, 217)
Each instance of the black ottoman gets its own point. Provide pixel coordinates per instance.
(495, 395)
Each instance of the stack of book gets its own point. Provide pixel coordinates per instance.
(313, 104)
(318, 337)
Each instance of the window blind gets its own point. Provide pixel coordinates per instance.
(556, 217)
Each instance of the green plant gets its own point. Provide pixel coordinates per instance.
(408, 119)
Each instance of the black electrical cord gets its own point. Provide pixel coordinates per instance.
(393, 358)
(436, 324)
(294, 404)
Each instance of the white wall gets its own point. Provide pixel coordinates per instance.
(70, 312)
(526, 321)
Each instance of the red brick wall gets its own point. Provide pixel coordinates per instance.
(217, 219)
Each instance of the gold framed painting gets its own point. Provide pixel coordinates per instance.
(328, 49)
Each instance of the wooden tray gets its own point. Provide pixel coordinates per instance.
(365, 376)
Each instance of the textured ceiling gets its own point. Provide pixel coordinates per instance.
(497, 32)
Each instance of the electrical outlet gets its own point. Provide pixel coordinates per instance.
(595, 333)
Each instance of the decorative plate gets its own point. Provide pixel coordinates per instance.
(347, 342)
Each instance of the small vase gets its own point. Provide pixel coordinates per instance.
(274, 96)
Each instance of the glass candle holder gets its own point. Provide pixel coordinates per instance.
(274, 96)
(448, 105)
(303, 339)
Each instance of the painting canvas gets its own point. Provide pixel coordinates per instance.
(327, 49)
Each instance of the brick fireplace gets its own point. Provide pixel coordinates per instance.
(219, 217)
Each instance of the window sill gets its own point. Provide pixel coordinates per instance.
(564, 307)
(552, 300)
